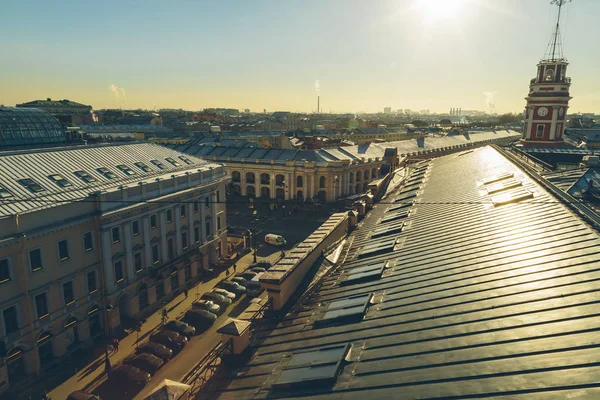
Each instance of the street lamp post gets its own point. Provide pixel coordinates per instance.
(254, 220)
(106, 308)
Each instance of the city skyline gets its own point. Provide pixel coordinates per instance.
(267, 55)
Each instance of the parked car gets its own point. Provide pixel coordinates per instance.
(207, 305)
(253, 288)
(240, 280)
(81, 395)
(128, 376)
(261, 264)
(217, 298)
(248, 275)
(180, 327)
(257, 269)
(276, 240)
(146, 362)
(224, 292)
(172, 340)
(157, 349)
(200, 318)
(232, 287)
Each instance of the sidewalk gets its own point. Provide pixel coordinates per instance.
(92, 374)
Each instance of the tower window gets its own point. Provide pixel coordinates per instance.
(539, 131)
(549, 75)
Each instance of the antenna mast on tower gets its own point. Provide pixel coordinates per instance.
(554, 48)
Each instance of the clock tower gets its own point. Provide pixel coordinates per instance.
(548, 99)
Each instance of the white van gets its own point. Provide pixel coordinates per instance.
(253, 287)
(275, 240)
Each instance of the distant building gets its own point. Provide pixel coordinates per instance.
(387, 110)
(29, 127)
(66, 111)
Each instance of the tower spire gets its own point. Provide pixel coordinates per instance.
(554, 49)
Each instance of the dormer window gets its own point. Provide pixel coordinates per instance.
(31, 185)
(59, 180)
(172, 162)
(158, 164)
(126, 170)
(549, 75)
(84, 176)
(142, 166)
(108, 174)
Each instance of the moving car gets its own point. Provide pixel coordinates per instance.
(128, 376)
(207, 305)
(217, 298)
(172, 340)
(146, 362)
(156, 349)
(180, 327)
(225, 293)
(200, 318)
(275, 240)
(232, 287)
(81, 395)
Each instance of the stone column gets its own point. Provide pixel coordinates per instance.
(202, 218)
(129, 252)
(177, 216)
(109, 272)
(553, 125)
(147, 246)
(163, 234)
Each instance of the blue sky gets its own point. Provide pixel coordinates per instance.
(367, 54)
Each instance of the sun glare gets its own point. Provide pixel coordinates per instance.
(440, 10)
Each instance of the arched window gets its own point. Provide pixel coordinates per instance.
(279, 193)
(174, 279)
(366, 175)
(207, 227)
(299, 181)
(237, 190)
(322, 195)
(265, 192)
(250, 191)
(249, 177)
(265, 179)
(322, 182)
(94, 320)
(236, 176)
(279, 180)
(299, 195)
(357, 189)
(374, 173)
(357, 176)
(44, 345)
(15, 365)
(549, 75)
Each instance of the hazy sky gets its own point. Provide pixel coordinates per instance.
(367, 54)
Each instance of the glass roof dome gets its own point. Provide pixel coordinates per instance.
(24, 127)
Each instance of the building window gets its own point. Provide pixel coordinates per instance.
(158, 164)
(196, 206)
(265, 179)
(185, 160)
(153, 221)
(108, 174)
(59, 180)
(539, 131)
(85, 176)
(236, 176)
(88, 242)
(119, 271)
(182, 211)
(197, 234)
(218, 223)
(174, 279)
(41, 305)
(169, 216)
(91, 282)
(155, 254)
(206, 202)
(116, 235)
(31, 185)
(137, 262)
(184, 240)
(126, 170)
(250, 177)
(142, 166)
(299, 181)
(218, 197)
(35, 260)
(207, 227)
(171, 248)
(172, 162)
(68, 294)
(322, 182)
(63, 250)
(5, 193)
(11, 321)
(135, 228)
(549, 75)
(4, 271)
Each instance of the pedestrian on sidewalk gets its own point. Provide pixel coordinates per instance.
(185, 292)
(234, 267)
(115, 344)
(227, 272)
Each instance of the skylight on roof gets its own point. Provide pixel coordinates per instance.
(378, 247)
(388, 229)
(108, 174)
(84, 176)
(142, 166)
(172, 162)
(185, 160)
(158, 164)
(5, 193)
(499, 177)
(126, 170)
(59, 180)
(318, 367)
(31, 185)
(394, 216)
(503, 185)
(512, 196)
(349, 309)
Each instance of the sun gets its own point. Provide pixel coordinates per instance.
(440, 10)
